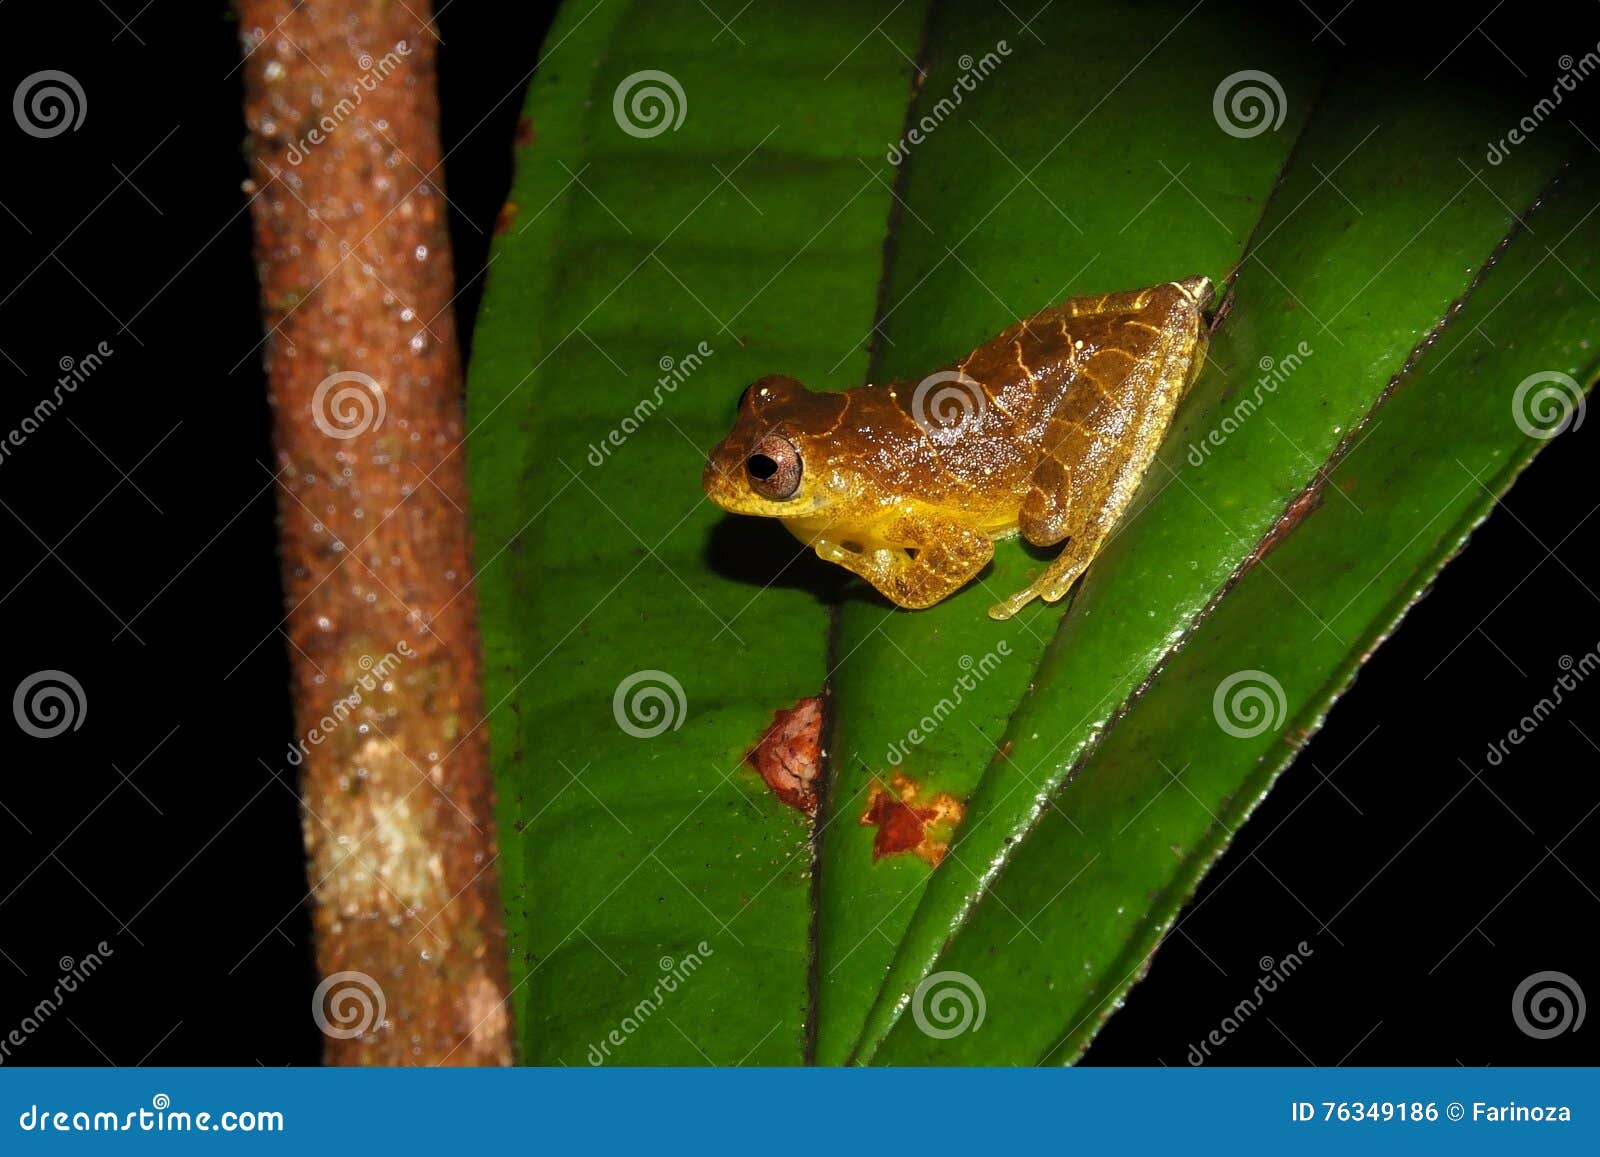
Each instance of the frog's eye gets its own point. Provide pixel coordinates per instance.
(774, 468)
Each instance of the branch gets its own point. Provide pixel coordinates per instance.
(355, 268)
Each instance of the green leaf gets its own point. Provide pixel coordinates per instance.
(755, 229)
(662, 902)
(1317, 286)
(1118, 210)
(1070, 923)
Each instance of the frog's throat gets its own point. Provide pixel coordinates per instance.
(810, 530)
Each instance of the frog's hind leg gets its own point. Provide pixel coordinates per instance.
(938, 559)
(1101, 442)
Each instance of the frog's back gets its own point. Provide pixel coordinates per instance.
(1031, 368)
(974, 431)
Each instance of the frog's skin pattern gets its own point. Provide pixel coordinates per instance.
(1045, 429)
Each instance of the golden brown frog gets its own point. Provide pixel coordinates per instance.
(1046, 428)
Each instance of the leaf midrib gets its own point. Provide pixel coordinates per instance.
(826, 772)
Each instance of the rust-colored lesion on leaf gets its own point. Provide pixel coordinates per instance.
(789, 754)
(909, 820)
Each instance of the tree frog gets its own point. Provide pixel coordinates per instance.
(1045, 429)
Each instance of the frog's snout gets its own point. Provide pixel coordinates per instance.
(723, 478)
(715, 479)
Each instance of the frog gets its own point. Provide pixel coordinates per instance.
(1044, 431)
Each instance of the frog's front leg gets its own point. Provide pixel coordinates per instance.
(932, 560)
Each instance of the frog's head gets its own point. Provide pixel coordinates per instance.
(771, 463)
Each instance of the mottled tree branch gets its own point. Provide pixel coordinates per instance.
(354, 262)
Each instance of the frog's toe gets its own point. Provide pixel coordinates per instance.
(831, 550)
(1004, 610)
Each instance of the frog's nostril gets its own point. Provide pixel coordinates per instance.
(761, 467)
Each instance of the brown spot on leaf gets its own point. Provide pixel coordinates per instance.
(790, 753)
(908, 823)
(1223, 309)
(526, 134)
(507, 215)
(1304, 503)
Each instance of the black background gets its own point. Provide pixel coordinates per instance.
(139, 555)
